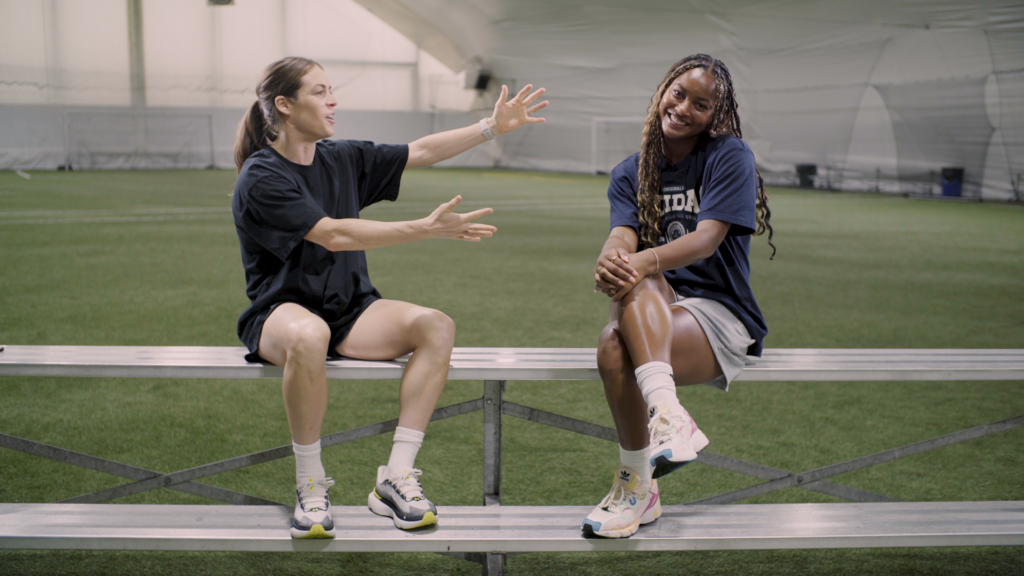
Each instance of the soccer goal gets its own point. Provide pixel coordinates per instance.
(612, 140)
(135, 140)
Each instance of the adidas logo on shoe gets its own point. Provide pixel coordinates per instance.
(624, 476)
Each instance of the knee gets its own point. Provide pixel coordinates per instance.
(612, 355)
(307, 339)
(434, 328)
(646, 288)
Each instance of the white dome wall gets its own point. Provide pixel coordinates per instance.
(872, 144)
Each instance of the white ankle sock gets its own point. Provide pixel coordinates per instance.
(638, 461)
(656, 384)
(403, 452)
(307, 462)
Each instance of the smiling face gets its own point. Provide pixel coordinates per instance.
(311, 114)
(686, 109)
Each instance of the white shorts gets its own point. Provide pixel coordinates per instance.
(728, 337)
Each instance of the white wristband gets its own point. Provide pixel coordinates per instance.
(485, 129)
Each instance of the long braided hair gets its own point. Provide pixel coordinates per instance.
(724, 120)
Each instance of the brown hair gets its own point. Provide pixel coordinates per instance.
(260, 125)
(724, 120)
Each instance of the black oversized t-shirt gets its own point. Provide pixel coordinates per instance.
(277, 202)
(718, 181)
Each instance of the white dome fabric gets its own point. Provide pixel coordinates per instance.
(879, 95)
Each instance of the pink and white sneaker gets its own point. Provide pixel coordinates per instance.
(628, 505)
(675, 438)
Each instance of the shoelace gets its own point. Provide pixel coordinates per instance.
(615, 498)
(314, 494)
(666, 424)
(408, 485)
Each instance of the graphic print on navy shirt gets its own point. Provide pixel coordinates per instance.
(718, 181)
(680, 208)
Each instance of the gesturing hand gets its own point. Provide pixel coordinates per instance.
(516, 112)
(443, 223)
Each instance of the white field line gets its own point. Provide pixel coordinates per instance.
(499, 209)
(179, 214)
(117, 219)
(113, 212)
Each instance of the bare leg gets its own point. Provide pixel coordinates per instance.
(297, 340)
(689, 353)
(389, 329)
(646, 322)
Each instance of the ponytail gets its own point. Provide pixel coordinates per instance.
(252, 135)
(259, 127)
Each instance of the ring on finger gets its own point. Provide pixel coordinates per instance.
(602, 270)
(615, 258)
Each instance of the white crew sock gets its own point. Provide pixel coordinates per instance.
(307, 462)
(403, 452)
(657, 385)
(638, 461)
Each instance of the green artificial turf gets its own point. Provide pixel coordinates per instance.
(151, 258)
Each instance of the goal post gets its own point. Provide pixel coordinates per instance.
(612, 140)
(137, 140)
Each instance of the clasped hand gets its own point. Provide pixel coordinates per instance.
(443, 223)
(614, 275)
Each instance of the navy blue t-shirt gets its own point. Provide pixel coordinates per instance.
(718, 181)
(277, 202)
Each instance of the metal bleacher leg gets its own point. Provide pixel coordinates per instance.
(492, 441)
(493, 564)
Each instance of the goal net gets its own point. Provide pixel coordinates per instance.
(125, 140)
(612, 140)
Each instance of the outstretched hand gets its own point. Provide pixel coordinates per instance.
(443, 223)
(516, 112)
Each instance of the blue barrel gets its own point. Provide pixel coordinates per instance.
(952, 181)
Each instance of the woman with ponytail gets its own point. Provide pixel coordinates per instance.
(296, 209)
(676, 268)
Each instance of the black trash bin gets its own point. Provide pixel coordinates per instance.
(806, 174)
(952, 181)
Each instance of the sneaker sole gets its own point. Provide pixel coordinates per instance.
(589, 532)
(662, 465)
(381, 509)
(317, 531)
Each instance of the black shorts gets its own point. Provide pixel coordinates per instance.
(340, 327)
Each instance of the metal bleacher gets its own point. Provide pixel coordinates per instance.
(488, 533)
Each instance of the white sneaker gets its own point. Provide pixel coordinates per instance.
(313, 509)
(400, 496)
(675, 438)
(625, 508)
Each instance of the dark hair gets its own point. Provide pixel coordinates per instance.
(725, 119)
(259, 126)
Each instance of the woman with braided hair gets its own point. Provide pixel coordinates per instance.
(676, 268)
